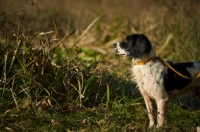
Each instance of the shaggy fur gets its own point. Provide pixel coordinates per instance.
(156, 81)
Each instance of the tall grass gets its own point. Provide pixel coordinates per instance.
(33, 81)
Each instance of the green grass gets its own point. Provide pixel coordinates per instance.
(71, 79)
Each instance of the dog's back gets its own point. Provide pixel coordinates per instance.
(176, 84)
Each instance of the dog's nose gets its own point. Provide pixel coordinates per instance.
(114, 45)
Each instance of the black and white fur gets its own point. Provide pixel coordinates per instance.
(156, 81)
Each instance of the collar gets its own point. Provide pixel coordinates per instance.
(166, 64)
(147, 61)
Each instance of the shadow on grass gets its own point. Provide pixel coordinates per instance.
(38, 94)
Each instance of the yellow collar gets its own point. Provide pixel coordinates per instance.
(147, 61)
(166, 64)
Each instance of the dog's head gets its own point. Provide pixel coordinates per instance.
(136, 46)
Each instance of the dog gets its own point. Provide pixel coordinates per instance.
(158, 80)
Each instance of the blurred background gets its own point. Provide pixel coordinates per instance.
(172, 26)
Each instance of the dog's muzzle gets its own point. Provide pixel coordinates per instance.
(115, 48)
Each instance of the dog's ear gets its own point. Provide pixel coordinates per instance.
(138, 45)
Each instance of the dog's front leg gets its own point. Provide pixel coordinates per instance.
(150, 109)
(161, 106)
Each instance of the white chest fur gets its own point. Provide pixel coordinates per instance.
(149, 78)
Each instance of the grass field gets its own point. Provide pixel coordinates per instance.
(59, 71)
